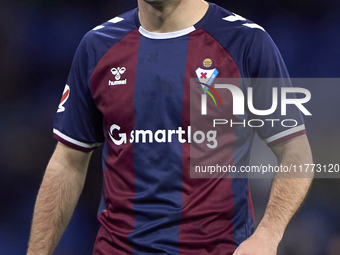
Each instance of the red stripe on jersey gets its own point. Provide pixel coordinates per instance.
(118, 218)
(65, 95)
(250, 205)
(206, 226)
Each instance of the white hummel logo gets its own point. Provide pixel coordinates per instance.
(117, 72)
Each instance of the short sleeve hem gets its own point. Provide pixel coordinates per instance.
(70, 142)
(286, 135)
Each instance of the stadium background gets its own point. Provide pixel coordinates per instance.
(38, 40)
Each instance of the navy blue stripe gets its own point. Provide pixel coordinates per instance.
(242, 220)
(158, 166)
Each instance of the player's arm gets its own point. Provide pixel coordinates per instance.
(286, 196)
(58, 195)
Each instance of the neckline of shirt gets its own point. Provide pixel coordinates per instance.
(175, 34)
(169, 35)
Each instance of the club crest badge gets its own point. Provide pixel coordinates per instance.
(206, 76)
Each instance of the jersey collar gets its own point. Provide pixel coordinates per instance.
(170, 35)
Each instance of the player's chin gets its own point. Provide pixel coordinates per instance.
(160, 1)
(155, 1)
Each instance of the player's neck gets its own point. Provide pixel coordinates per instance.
(169, 16)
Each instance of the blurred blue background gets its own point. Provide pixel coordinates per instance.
(38, 40)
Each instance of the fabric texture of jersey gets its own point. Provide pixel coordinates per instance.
(127, 87)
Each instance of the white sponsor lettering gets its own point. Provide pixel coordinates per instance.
(113, 83)
(163, 136)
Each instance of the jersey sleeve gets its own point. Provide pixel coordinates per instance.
(78, 122)
(267, 71)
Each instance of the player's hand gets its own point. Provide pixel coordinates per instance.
(260, 243)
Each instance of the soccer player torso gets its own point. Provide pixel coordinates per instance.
(134, 90)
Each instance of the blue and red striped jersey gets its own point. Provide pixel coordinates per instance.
(131, 90)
